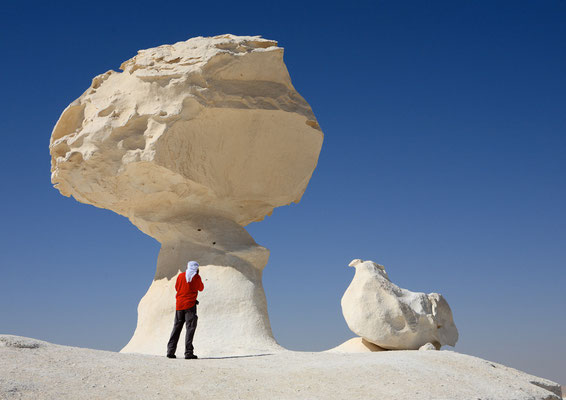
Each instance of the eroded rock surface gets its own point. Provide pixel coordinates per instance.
(206, 126)
(427, 347)
(395, 318)
(191, 142)
(20, 342)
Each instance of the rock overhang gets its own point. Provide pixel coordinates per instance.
(207, 126)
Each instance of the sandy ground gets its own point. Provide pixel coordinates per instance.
(32, 369)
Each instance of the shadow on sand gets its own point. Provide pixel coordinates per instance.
(225, 357)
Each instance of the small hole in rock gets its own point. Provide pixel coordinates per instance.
(213, 243)
(199, 229)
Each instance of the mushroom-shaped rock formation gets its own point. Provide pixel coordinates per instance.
(394, 318)
(191, 142)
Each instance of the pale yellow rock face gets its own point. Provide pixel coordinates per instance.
(210, 125)
(191, 142)
(394, 318)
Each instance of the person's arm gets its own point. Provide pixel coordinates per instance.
(200, 285)
(177, 283)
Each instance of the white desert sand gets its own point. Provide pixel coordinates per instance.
(33, 369)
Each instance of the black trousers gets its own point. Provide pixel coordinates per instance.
(189, 317)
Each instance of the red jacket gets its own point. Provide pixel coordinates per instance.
(187, 291)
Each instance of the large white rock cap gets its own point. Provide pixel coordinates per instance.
(210, 126)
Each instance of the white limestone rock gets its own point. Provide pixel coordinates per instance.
(427, 347)
(395, 318)
(356, 345)
(207, 125)
(191, 142)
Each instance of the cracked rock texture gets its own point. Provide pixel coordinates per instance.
(394, 318)
(191, 142)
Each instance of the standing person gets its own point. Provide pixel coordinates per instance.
(188, 285)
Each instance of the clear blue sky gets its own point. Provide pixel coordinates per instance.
(444, 159)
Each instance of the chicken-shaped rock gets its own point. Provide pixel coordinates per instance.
(394, 318)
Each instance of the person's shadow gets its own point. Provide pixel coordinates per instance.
(222, 358)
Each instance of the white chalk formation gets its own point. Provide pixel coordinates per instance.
(356, 345)
(191, 142)
(390, 317)
(427, 346)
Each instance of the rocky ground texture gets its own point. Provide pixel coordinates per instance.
(33, 369)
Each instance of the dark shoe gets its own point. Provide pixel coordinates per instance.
(171, 356)
(191, 357)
